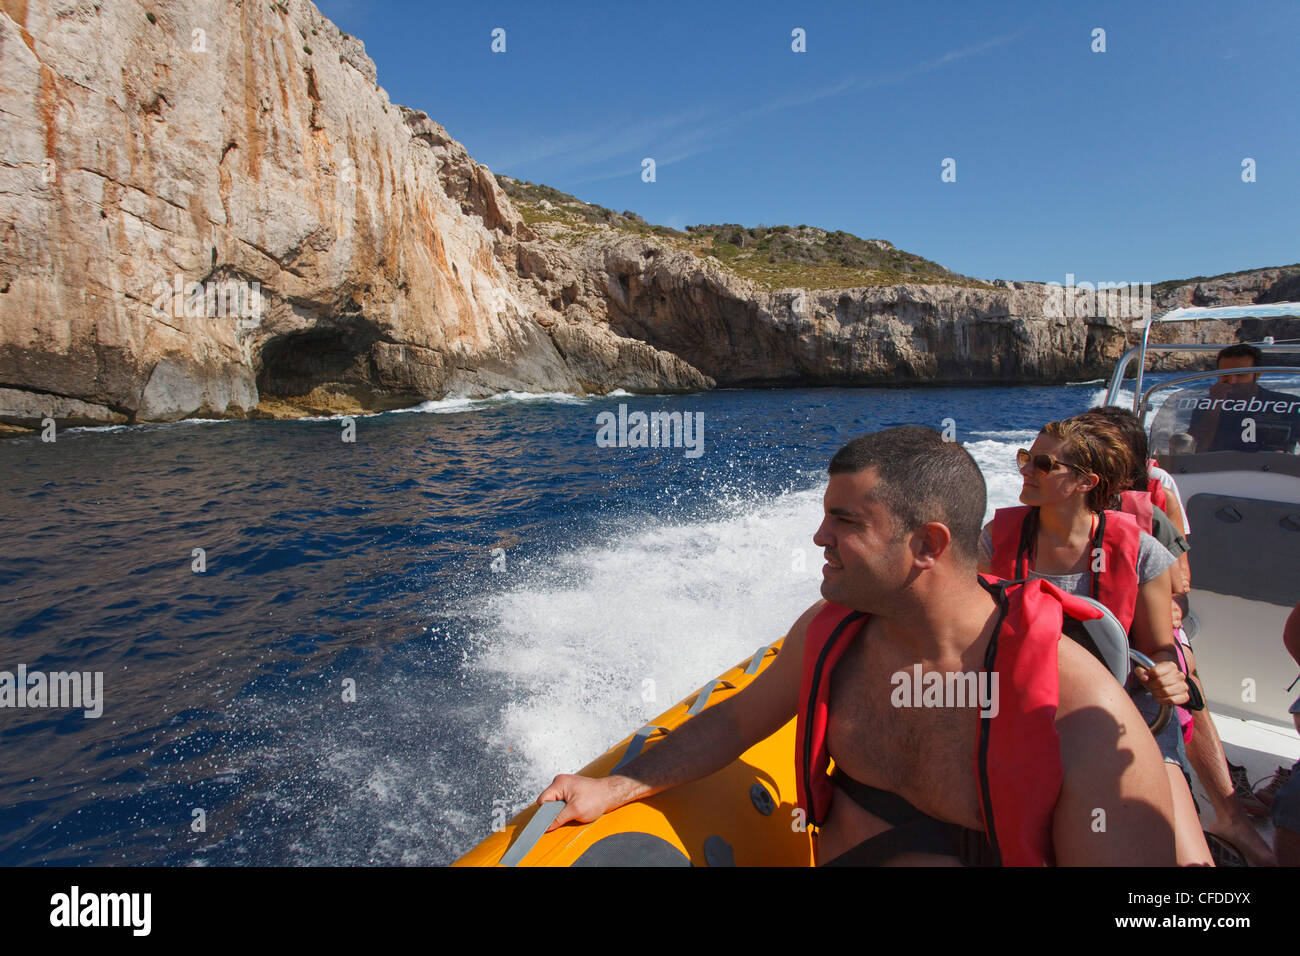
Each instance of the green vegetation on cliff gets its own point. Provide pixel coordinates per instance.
(774, 257)
(1164, 288)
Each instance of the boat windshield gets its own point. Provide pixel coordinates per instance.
(1212, 416)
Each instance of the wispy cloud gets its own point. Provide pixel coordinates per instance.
(674, 138)
(634, 169)
(665, 151)
(596, 145)
(954, 55)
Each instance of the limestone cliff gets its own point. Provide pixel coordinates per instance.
(245, 146)
(660, 286)
(744, 335)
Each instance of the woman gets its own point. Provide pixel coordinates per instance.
(1144, 496)
(1064, 533)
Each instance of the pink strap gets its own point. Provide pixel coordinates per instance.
(1184, 715)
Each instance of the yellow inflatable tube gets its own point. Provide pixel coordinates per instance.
(743, 815)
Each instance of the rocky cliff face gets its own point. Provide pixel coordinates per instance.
(210, 208)
(350, 253)
(653, 289)
(1281, 284)
(741, 335)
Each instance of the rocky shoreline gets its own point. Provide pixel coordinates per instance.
(373, 264)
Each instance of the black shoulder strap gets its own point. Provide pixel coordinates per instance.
(912, 830)
(817, 676)
(1098, 541)
(1025, 550)
(999, 593)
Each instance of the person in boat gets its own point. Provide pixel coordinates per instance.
(1202, 744)
(1173, 499)
(1239, 414)
(1144, 494)
(1023, 782)
(1062, 532)
(1285, 808)
(1148, 483)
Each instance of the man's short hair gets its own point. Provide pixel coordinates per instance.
(923, 478)
(1241, 350)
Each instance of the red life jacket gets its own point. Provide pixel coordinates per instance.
(1118, 536)
(1159, 495)
(1017, 759)
(1140, 506)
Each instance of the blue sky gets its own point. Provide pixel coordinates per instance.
(1117, 166)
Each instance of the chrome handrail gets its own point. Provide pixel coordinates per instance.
(1142, 362)
(1117, 377)
(1216, 346)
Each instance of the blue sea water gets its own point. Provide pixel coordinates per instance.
(499, 591)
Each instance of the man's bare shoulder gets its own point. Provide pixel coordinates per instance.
(1086, 682)
(794, 640)
(1115, 807)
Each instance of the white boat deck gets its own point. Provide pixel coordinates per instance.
(1259, 747)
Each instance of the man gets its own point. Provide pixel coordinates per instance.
(1239, 415)
(903, 510)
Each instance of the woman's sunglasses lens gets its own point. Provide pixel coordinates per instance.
(1043, 463)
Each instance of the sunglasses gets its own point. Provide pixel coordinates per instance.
(1044, 463)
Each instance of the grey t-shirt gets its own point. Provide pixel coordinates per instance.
(1164, 531)
(1154, 560)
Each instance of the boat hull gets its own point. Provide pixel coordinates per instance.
(719, 820)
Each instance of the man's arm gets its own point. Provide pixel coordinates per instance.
(702, 745)
(1174, 509)
(1169, 533)
(1115, 807)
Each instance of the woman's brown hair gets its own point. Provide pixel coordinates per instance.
(1098, 446)
(1131, 428)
